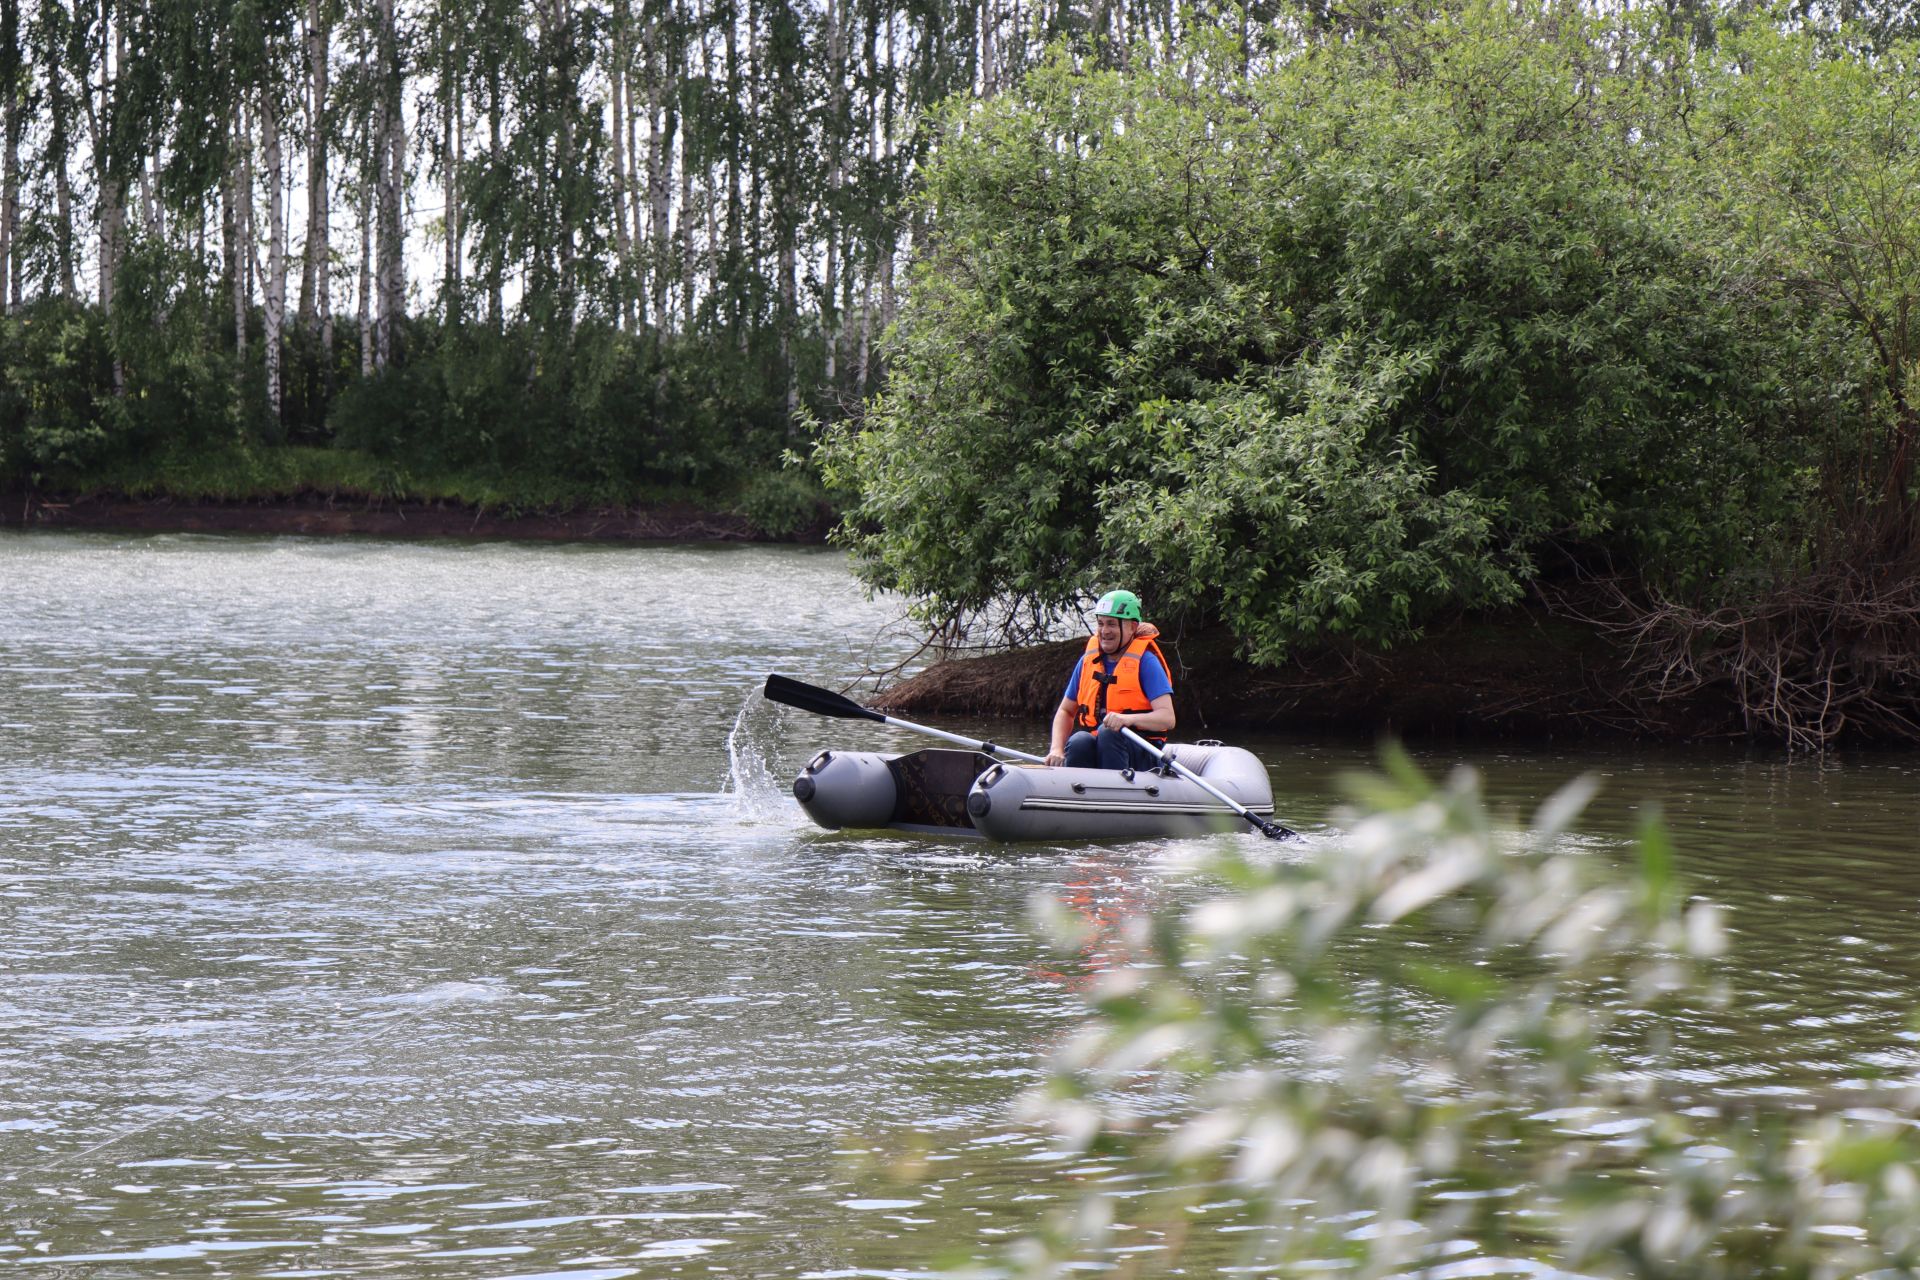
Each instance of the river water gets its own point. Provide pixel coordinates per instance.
(440, 910)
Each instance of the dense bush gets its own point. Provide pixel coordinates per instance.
(608, 413)
(55, 366)
(176, 385)
(1351, 340)
(80, 393)
(529, 415)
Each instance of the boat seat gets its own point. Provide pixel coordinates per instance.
(1192, 756)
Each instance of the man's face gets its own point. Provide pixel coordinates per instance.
(1114, 633)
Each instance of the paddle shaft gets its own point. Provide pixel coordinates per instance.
(991, 748)
(1268, 827)
(824, 702)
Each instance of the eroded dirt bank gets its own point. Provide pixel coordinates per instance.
(328, 514)
(1518, 676)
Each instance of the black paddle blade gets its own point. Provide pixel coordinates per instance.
(1271, 829)
(822, 702)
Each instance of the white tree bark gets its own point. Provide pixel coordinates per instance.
(366, 278)
(240, 242)
(622, 244)
(9, 203)
(110, 211)
(836, 18)
(59, 144)
(452, 141)
(389, 163)
(660, 144)
(276, 293)
(316, 255)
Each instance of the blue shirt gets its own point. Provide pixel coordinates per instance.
(1153, 677)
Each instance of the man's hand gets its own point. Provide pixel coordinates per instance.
(1116, 721)
(1056, 758)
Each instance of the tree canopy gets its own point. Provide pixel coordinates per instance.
(1343, 336)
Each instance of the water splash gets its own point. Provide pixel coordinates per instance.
(759, 795)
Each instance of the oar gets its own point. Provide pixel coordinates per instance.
(1268, 827)
(825, 702)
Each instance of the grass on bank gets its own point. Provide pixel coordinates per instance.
(779, 502)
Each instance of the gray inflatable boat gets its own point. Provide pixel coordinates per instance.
(967, 793)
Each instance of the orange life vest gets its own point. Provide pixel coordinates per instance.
(1100, 693)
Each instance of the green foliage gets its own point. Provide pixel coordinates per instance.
(1345, 345)
(81, 392)
(55, 363)
(175, 390)
(784, 502)
(238, 472)
(145, 403)
(1294, 1045)
(599, 412)
(1819, 173)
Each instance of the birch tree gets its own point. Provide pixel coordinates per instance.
(316, 312)
(14, 110)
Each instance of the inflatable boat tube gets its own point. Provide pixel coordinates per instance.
(965, 793)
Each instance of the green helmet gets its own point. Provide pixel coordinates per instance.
(1118, 604)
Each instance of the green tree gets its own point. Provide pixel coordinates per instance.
(1340, 349)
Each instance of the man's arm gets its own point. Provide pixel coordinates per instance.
(1063, 718)
(1158, 720)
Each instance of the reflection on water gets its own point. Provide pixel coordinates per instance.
(443, 909)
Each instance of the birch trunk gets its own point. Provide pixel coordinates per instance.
(276, 292)
(748, 145)
(889, 240)
(12, 81)
(110, 212)
(315, 264)
(875, 124)
(733, 161)
(240, 238)
(149, 207)
(496, 264)
(451, 130)
(687, 261)
(789, 303)
(456, 195)
(388, 163)
(662, 124)
(564, 204)
(866, 336)
(836, 176)
(59, 145)
(366, 278)
(715, 280)
(622, 245)
(636, 207)
(989, 17)
(393, 275)
(9, 197)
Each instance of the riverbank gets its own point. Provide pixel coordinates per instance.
(303, 489)
(330, 514)
(1525, 675)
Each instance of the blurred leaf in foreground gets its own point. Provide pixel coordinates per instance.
(1437, 1045)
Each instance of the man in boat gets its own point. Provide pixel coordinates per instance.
(1121, 681)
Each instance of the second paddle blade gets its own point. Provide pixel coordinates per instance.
(822, 702)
